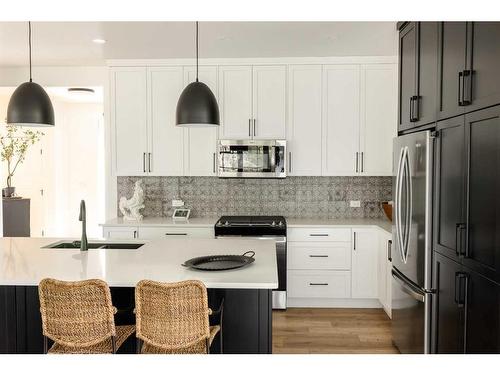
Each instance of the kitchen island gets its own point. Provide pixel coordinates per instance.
(246, 291)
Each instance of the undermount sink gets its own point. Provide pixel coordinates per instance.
(93, 245)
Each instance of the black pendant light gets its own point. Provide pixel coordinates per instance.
(30, 105)
(197, 106)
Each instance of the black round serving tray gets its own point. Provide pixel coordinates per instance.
(220, 262)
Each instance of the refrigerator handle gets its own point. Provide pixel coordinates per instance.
(397, 202)
(409, 203)
(408, 289)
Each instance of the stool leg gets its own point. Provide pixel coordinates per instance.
(113, 343)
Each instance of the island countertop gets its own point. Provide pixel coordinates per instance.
(24, 261)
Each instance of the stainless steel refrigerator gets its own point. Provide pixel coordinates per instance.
(412, 255)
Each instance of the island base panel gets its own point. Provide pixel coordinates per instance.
(247, 319)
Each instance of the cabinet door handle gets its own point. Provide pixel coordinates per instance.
(460, 280)
(135, 234)
(290, 161)
(389, 250)
(460, 89)
(458, 239)
(411, 108)
(467, 87)
(254, 128)
(318, 284)
(175, 234)
(249, 127)
(144, 162)
(149, 161)
(416, 107)
(214, 162)
(362, 161)
(318, 256)
(356, 165)
(319, 234)
(354, 238)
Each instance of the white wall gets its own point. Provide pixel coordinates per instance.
(70, 168)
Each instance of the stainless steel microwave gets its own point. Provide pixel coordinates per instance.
(252, 158)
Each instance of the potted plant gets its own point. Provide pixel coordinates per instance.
(14, 146)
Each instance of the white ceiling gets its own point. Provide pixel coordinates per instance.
(70, 43)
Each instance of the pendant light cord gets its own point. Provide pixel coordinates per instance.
(29, 44)
(196, 51)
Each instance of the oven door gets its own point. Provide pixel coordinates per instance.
(279, 294)
(252, 158)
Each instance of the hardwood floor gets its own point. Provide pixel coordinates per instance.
(332, 331)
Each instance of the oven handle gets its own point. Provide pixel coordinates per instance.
(276, 238)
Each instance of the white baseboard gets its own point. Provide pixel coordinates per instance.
(367, 303)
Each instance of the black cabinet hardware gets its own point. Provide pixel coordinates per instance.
(319, 234)
(144, 162)
(318, 256)
(318, 284)
(389, 250)
(149, 161)
(175, 234)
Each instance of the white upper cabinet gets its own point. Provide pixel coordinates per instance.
(129, 116)
(165, 156)
(341, 97)
(379, 118)
(365, 254)
(201, 143)
(304, 125)
(235, 104)
(253, 101)
(269, 102)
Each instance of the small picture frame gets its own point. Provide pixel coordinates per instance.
(181, 214)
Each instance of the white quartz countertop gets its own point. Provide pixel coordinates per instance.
(23, 261)
(382, 223)
(162, 222)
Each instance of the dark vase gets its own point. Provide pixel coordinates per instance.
(8, 192)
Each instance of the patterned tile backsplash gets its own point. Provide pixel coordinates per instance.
(305, 197)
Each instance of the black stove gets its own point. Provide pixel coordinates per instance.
(251, 226)
(265, 227)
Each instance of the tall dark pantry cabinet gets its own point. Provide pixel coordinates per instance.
(450, 83)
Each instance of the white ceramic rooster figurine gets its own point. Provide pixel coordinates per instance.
(130, 207)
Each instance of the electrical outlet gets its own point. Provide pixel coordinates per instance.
(355, 203)
(177, 203)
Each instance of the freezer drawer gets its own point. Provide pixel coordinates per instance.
(410, 316)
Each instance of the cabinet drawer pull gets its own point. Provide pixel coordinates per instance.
(144, 162)
(318, 256)
(149, 161)
(249, 127)
(362, 162)
(254, 129)
(356, 165)
(318, 284)
(175, 234)
(319, 234)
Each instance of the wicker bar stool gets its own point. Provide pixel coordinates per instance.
(173, 318)
(78, 317)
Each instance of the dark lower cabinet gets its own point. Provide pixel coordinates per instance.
(449, 193)
(482, 139)
(448, 312)
(482, 319)
(467, 186)
(466, 311)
